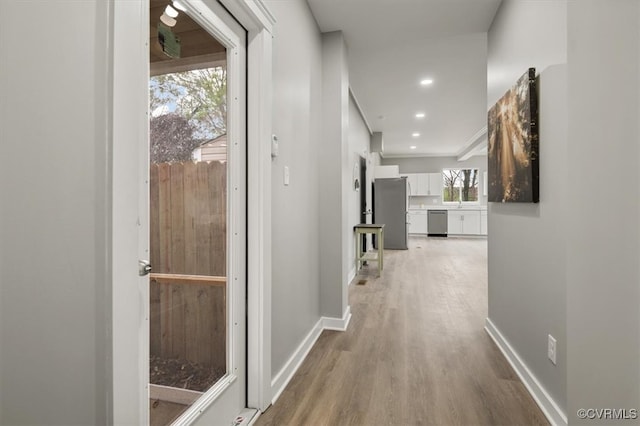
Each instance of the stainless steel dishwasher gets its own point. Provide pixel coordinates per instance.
(437, 223)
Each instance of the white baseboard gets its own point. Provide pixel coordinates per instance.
(551, 410)
(284, 376)
(352, 275)
(339, 324)
(282, 379)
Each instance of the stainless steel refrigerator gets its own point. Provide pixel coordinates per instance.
(390, 206)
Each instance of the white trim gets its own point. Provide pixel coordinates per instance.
(474, 145)
(284, 376)
(205, 403)
(352, 275)
(249, 416)
(254, 15)
(551, 410)
(360, 111)
(337, 324)
(258, 21)
(259, 80)
(255, 418)
(128, 121)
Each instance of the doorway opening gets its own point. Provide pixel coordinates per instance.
(364, 212)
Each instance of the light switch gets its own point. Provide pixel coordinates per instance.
(286, 175)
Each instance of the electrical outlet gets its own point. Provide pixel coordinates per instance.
(551, 349)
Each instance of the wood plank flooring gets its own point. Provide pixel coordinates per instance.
(415, 352)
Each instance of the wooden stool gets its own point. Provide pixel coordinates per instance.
(370, 228)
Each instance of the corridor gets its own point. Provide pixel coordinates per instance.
(415, 352)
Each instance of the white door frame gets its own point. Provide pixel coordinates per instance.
(129, 125)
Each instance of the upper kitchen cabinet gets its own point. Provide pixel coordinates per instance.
(435, 183)
(418, 184)
(425, 184)
(412, 180)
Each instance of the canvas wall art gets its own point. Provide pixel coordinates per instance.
(512, 133)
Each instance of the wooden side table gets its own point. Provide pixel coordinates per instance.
(370, 228)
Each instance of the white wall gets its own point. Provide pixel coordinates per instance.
(527, 246)
(53, 217)
(359, 138)
(603, 294)
(335, 176)
(297, 112)
(576, 268)
(524, 34)
(376, 160)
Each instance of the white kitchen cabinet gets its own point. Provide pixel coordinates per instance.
(435, 183)
(419, 183)
(412, 179)
(410, 222)
(471, 223)
(454, 222)
(464, 222)
(418, 222)
(425, 184)
(483, 222)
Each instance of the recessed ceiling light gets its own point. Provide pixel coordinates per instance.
(415, 134)
(426, 82)
(413, 147)
(420, 115)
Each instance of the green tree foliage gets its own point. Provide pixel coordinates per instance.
(200, 96)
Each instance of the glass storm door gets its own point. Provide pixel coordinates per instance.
(197, 331)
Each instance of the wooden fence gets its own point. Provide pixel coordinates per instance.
(188, 253)
(188, 218)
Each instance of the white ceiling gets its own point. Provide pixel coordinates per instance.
(393, 45)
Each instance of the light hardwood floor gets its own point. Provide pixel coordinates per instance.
(415, 352)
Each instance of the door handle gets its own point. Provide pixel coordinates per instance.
(144, 267)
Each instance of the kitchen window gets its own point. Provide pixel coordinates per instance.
(460, 185)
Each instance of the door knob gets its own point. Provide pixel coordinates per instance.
(144, 267)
